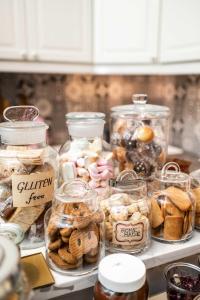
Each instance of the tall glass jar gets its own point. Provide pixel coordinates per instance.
(74, 230)
(127, 212)
(86, 156)
(195, 184)
(172, 206)
(13, 281)
(27, 172)
(139, 136)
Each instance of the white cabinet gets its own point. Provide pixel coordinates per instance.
(12, 30)
(180, 30)
(60, 30)
(125, 31)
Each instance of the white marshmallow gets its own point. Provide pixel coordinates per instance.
(68, 171)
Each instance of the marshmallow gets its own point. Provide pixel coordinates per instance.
(93, 184)
(82, 172)
(68, 171)
(80, 162)
(96, 145)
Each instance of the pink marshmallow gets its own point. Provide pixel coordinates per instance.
(105, 167)
(105, 175)
(103, 184)
(93, 184)
(103, 162)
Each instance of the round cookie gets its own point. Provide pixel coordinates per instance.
(65, 239)
(66, 231)
(91, 259)
(55, 245)
(76, 244)
(67, 256)
(59, 262)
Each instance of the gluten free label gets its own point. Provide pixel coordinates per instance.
(33, 189)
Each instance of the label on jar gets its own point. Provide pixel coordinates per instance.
(129, 233)
(32, 190)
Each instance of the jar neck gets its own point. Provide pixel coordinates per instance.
(10, 146)
(89, 130)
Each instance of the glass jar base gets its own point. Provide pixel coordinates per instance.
(162, 240)
(129, 251)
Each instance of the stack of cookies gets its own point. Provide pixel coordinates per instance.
(172, 214)
(74, 236)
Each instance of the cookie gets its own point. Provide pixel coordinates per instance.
(108, 231)
(144, 134)
(156, 214)
(178, 197)
(90, 241)
(67, 256)
(172, 210)
(58, 261)
(65, 239)
(196, 193)
(76, 244)
(98, 217)
(132, 209)
(119, 154)
(91, 259)
(55, 245)
(173, 228)
(66, 231)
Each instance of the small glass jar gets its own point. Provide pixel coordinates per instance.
(27, 172)
(139, 136)
(195, 184)
(127, 212)
(13, 281)
(172, 206)
(121, 277)
(86, 156)
(74, 230)
(183, 281)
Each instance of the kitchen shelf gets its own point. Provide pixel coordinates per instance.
(158, 254)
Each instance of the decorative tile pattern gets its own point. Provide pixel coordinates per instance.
(55, 95)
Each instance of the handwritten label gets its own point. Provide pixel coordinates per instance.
(32, 190)
(129, 233)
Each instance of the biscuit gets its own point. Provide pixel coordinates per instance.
(172, 210)
(55, 245)
(132, 208)
(196, 193)
(91, 259)
(186, 223)
(108, 231)
(156, 214)
(67, 256)
(66, 231)
(173, 228)
(90, 241)
(76, 244)
(120, 154)
(61, 263)
(65, 239)
(98, 217)
(82, 222)
(128, 165)
(178, 197)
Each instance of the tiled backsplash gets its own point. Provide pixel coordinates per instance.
(56, 95)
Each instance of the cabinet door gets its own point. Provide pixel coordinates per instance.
(12, 29)
(125, 31)
(180, 36)
(59, 30)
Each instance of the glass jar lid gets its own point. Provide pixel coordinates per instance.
(140, 108)
(171, 173)
(127, 181)
(116, 273)
(12, 231)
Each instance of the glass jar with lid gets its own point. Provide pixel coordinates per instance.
(27, 172)
(195, 185)
(139, 136)
(86, 156)
(13, 281)
(74, 230)
(127, 211)
(172, 206)
(121, 277)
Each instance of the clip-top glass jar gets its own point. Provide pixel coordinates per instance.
(195, 185)
(74, 230)
(27, 172)
(127, 212)
(121, 277)
(139, 136)
(86, 156)
(13, 282)
(172, 206)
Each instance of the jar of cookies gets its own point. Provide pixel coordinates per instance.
(27, 172)
(86, 156)
(195, 185)
(127, 210)
(172, 206)
(74, 230)
(139, 136)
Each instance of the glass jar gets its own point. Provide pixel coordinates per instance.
(13, 281)
(86, 156)
(27, 172)
(195, 184)
(139, 136)
(121, 277)
(183, 281)
(127, 211)
(172, 206)
(74, 230)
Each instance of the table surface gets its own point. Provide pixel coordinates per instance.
(159, 297)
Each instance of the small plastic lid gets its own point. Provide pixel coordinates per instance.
(85, 124)
(122, 273)
(12, 231)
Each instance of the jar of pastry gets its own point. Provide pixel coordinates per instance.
(13, 281)
(172, 206)
(139, 136)
(74, 230)
(127, 225)
(86, 156)
(195, 188)
(27, 172)
(121, 277)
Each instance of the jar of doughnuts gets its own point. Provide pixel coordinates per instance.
(172, 206)
(27, 172)
(195, 186)
(86, 156)
(74, 230)
(127, 211)
(139, 136)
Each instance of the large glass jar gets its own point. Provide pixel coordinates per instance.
(172, 206)
(139, 136)
(13, 281)
(127, 212)
(86, 156)
(27, 172)
(74, 230)
(195, 185)
(121, 277)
